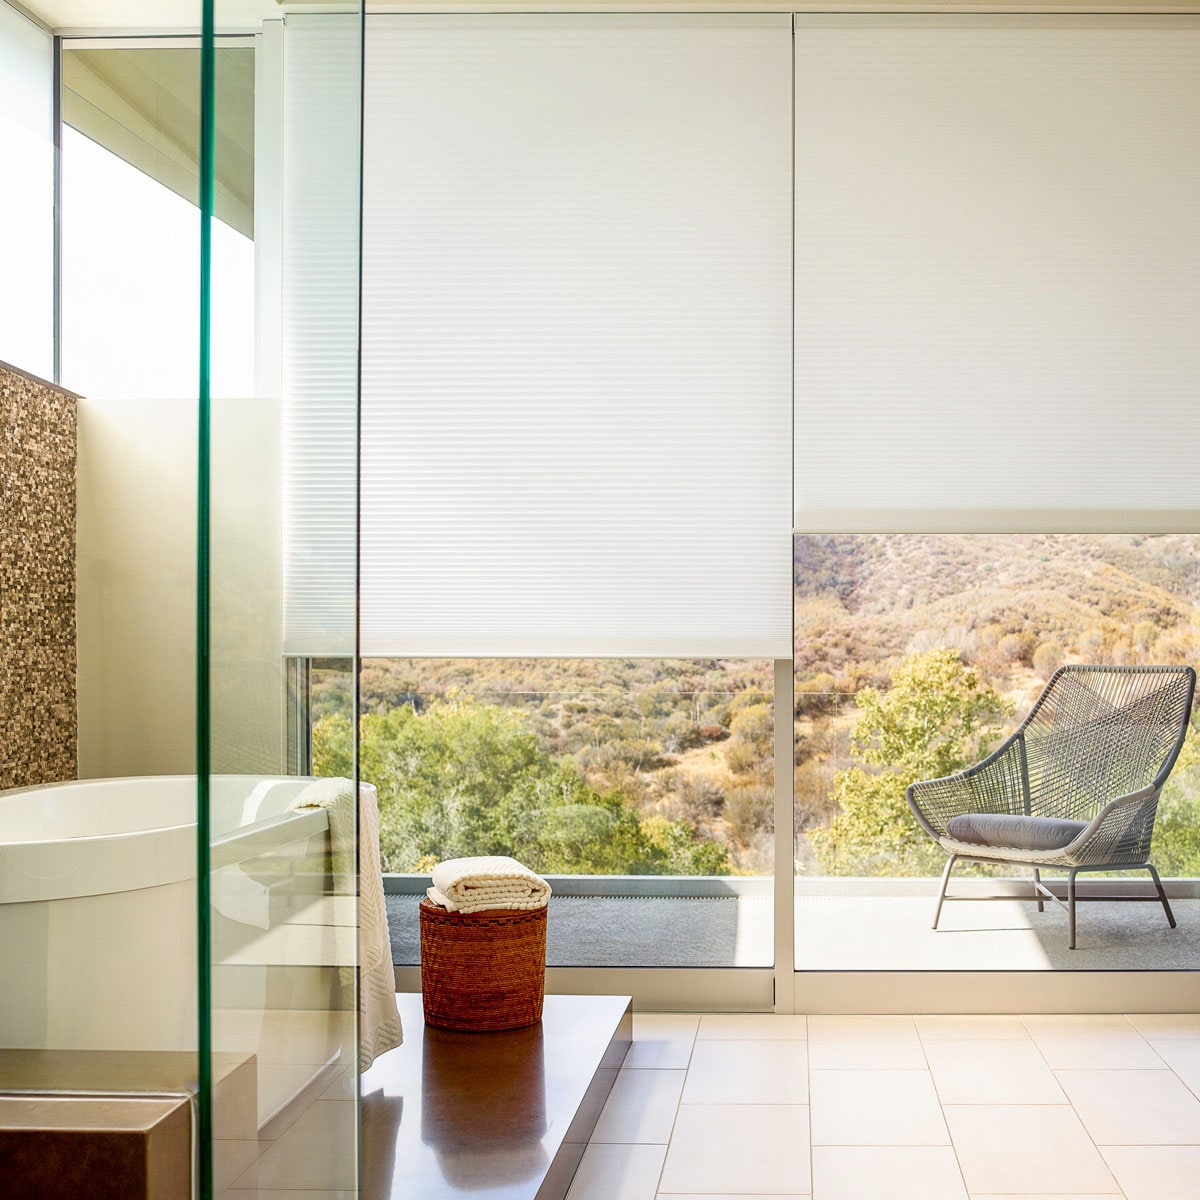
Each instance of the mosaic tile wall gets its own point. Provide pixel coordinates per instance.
(38, 718)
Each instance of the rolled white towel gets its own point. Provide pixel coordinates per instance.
(470, 885)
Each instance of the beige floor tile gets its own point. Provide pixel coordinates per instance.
(1156, 1172)
(316, 1152)
(1048, 1196)
(735, 1148)
(1134, 1108)
(894, 1172)
(1162, 1027)
(641, 1107)
(1184, 1059)
(1025, 1149)
(308, 1194)
(873, 1043)
(299, 1036)
(278, 1086)
(995, 1072)
(231, 1158)
(969, 1027)
(748, 1073)
(343, 1087)
(771, 1027)
(875, 1108)
(662, 1041)
(1090, 1042)
(732, 1196)
(618, 1173)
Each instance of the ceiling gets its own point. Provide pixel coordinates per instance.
(143, 16)
(143, 104)
(149, 16)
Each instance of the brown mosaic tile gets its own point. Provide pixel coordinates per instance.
(38, 714)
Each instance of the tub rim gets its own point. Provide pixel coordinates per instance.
(28, 877)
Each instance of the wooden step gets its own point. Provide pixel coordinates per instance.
(490, 1115)
(95, 1148)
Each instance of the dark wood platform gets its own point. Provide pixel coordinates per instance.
(493, 1116)
(95, 1148)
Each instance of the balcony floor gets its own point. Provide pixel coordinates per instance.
(892, 933)
(850, 933)
(634, 931)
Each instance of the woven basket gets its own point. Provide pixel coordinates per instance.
(483, 971)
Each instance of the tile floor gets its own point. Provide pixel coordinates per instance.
(901, 1108)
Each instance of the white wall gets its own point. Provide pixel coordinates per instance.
(136, 583)
(136, 586)
(246, 603)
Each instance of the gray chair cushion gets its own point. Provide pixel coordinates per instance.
(1014, 832)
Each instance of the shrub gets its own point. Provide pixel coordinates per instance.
(755, 725)
(749, 810)
(463, 778)
(935, 718)
(1016, 647)
(1048, 657)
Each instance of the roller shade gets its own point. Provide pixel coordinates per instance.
(576, 336)
(320, 257)
(997, 272)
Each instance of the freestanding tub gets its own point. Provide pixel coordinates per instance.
(98, 901)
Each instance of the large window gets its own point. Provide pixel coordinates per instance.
(130, 229)
(27, 194)
(643, 787)
(915, 655)
(595, 767)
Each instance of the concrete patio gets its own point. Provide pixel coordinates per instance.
(841, 925)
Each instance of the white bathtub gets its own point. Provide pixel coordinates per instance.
(98, 901)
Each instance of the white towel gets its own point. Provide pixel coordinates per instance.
(493, 881)
(378, 1019)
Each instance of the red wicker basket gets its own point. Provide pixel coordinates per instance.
(483, 971)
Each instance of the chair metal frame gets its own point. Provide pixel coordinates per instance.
(1097, 746)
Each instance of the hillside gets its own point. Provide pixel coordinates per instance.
(689, 741)
(863, 601)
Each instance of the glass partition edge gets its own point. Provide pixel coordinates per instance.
(204, 1099)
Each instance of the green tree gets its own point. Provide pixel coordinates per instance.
(463, 778)
(934, 719)
(1176, 846)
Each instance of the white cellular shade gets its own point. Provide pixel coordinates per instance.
(320, 333)
(997, 272)
(577, 337)
(26, 194)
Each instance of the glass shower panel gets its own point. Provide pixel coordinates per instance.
(279, 1028)
(98, 923)
(130, 344)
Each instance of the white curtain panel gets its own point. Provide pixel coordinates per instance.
(997, 272)
(577, 336)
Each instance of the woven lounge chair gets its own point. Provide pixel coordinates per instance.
(1075, 787)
